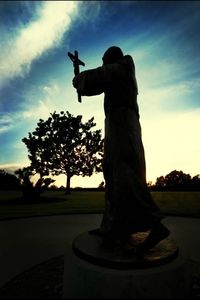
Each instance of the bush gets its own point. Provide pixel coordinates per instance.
(31, 191)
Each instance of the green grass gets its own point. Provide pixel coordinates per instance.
(52, 203)
(178, 203)
(56, 202)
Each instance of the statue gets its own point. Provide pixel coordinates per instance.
(129, 206)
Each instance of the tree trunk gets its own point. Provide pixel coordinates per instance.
(67, 191)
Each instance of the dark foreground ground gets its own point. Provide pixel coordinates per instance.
(32, 252)
(45, 281)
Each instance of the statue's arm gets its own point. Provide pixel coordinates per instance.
(95, 81)
(90, 82)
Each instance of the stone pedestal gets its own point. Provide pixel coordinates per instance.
(94, 272)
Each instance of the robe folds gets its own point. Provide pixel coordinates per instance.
(129, 206)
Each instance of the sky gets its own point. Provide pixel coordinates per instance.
(36, 74)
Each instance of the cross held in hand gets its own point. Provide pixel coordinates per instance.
(76, 62)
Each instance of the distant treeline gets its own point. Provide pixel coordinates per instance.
(78, 189)
(9, 181)
(174, 181)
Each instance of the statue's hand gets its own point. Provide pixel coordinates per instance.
(78, 82)
(75, 81)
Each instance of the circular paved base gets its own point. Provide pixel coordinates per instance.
(90, 248)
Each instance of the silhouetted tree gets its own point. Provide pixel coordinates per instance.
(53, 187)
(175, 180)
(195, 182)
(149, 184)
(160, 182)
(8, 181)
(101, 186)
(64, 145)
(30, 190)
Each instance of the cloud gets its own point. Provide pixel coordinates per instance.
(175, 97)
(11, 168)
(47, 103)
(6, 123)
(45, 31)
(30, 111)
(90, 11)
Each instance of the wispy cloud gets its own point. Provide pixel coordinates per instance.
(6, 123)
(47, 103)
(11, 168)
(44, 32)
(172, 97)
(90, 11)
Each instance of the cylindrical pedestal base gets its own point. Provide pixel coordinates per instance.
(84, 279)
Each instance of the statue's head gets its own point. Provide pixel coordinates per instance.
(112, 55)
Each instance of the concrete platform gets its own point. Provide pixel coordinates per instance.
(90, 248)
(92, 272)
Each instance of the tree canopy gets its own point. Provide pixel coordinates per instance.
(177, 180)
(63, 144)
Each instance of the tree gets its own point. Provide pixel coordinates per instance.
(195, 183)
(174, 180)
(101, 186)
(160, 182)
(8, 181)
(64, 145)
(177, 179)
(32, 191)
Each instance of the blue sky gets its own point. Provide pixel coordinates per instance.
(36, 74)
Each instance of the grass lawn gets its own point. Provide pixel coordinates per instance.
(52, 203)
(56, 202)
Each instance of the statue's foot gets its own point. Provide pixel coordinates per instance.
(158, 233)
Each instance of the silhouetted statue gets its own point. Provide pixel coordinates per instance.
(129, 206)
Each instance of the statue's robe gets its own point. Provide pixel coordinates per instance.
(129, 205)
